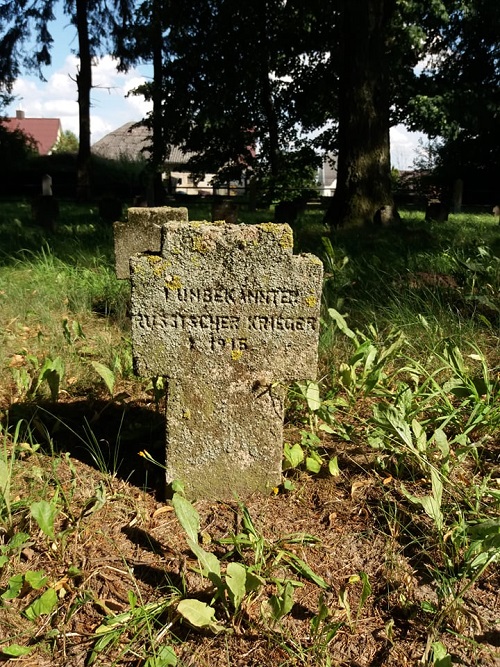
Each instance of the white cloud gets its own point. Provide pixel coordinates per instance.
(60, 107)
(403, 146)
(105, 74)
(57, 97)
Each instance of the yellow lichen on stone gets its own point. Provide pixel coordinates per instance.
(236, 354)
(173, 282)
(283, 233)
(219, 223)
(187, 413)
(286, 240)
(269, 227)
(311, 301)
(201, 244)
(157, 264)
(137, 269)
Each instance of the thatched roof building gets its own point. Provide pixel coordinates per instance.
(131, 142)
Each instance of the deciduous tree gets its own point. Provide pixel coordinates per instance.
(364, 167)
(146, 38)
(228, 82)
(461, 98)
(68, 143)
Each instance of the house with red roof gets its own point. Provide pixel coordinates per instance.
(45, 132)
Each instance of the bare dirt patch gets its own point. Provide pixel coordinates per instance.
(115, 541)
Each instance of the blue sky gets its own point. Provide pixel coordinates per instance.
(57, 96)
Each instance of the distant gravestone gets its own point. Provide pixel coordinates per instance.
(110, 208)
(457, 196)
(142, 233)
(228, 314)
(436, 211)
(45, 207)
(222, 209)
(386, 215)
(47, 186)
(288, 211)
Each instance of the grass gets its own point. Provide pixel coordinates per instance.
(382, 545)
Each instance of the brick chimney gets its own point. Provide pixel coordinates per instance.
(20, 114)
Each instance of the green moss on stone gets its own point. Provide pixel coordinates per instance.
(268, 227)
(286, 240)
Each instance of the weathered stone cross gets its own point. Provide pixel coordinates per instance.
(228, 314)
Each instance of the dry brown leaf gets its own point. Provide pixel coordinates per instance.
(162, 510)
(360, 484)
(16, 360)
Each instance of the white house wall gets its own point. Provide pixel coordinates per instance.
(186, 184)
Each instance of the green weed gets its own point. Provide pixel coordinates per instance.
(408, 398)
(344, 603)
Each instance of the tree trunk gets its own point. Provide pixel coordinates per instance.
(364, 169)
(156, 193)
(269, 108)
(272, 128)
(84, 85)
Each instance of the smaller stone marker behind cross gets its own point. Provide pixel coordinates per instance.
(228, 314)
(141, 233)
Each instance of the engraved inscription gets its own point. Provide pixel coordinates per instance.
(186, 322)
(233, 296)
(234, 344)
(278, 323)
(221, 323)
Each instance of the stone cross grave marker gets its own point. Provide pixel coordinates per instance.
(228, 314)
(141, 233)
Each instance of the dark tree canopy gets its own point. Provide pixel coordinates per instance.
(266, 85)
(461, 102)
(15, 148)
(227, 83)
(22, 21)
(284, 77)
